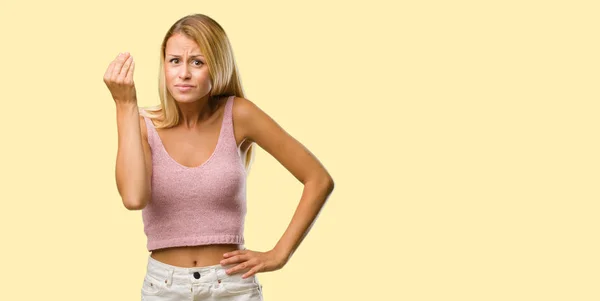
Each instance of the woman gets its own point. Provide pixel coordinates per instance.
(184, 164)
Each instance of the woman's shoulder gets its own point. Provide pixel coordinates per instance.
(143, 112)
(149, 115)
(143, 115)
(243, 108)
(243, 112)
(152, 113)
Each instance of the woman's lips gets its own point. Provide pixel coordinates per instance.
(184, 88)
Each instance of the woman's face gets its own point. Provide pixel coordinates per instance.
(186, 72)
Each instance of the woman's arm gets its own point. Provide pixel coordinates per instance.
(318, 183)
(134, 165)
(316, 191)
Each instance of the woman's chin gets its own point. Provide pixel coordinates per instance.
(185, 98)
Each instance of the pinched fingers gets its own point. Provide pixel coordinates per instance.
(121, 68)
(129, 77)
(118, 63)
(119, 79)
(125, 70)
(110, 69)
(118, 70)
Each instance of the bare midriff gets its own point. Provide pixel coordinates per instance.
(194, 256)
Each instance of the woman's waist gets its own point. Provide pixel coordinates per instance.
(194, 256)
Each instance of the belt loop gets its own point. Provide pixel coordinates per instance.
(216, 271)
(169, 279)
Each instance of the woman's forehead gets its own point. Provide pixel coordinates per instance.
(180, 44)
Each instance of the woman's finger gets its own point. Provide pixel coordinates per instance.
(234, 259)
(124, 70)
(124, 67)
(233, 253)
(253, 271)
(129, 76)
(108, 72)
(238, 268)
(111, 67)
(118, 66)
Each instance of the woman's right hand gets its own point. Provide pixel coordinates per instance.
(119, 79)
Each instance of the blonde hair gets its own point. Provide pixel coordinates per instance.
(223, 71)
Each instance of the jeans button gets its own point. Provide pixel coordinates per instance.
(197, 275)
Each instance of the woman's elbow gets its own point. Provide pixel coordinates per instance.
(134, 203)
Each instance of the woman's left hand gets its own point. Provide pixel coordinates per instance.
(253, 261)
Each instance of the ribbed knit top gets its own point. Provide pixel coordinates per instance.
(196, 205)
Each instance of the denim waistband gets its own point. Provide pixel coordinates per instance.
(195, 275)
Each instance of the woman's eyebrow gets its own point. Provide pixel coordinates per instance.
(193, 55)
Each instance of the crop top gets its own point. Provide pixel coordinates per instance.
(196, 205)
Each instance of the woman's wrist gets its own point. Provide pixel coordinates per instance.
(282, 255)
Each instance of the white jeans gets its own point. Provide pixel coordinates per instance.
(164, 282)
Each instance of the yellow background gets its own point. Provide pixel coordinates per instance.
(462, 137)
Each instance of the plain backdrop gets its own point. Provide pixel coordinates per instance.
(462, 137)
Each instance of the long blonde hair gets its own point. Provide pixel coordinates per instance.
(217, 51)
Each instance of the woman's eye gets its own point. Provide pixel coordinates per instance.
(198, 64)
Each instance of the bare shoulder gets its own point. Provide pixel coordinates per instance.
(242, 106)
(245, 114)
(261, 128)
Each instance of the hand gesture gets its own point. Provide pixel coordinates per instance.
(253, 261)
(119, 79)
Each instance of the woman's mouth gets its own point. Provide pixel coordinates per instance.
(184, 88)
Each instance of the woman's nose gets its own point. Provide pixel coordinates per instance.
(184, 72)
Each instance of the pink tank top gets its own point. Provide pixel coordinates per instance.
(196, 205)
